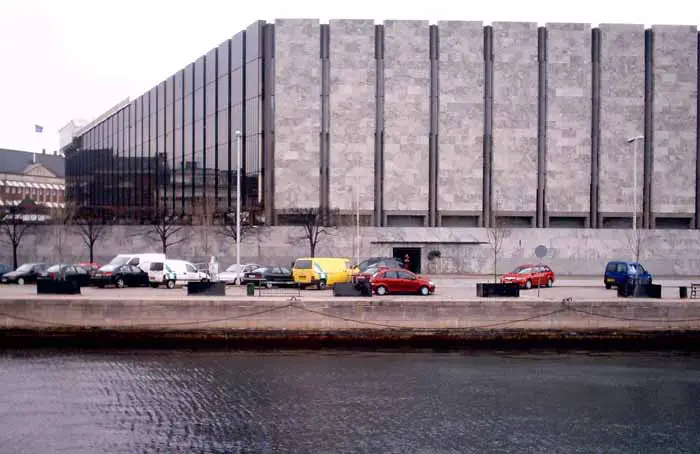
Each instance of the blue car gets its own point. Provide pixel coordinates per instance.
(4, 269)
(618, 273)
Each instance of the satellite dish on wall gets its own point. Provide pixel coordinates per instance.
(541, 251)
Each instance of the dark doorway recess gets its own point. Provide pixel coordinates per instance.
(413, 257)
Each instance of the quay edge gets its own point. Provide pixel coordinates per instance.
(370, 323)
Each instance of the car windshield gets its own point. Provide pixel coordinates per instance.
(119, 260)
(522, 270)
(25, 267)
(54, 269)
(259, 270)
(234, 268)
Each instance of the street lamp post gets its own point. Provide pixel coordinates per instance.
(635, 237)
(238, 207)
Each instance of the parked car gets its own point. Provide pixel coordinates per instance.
(172, 273)
(25, 274)
(4, 269)
(619, 272)
(528, 276)
(120, 276)
(143, 261)
(230, 274)
(321, 271)
(269, 276)
(385, 262)
(369, 273)
(71, 273)
(400, 281)
(90, 267)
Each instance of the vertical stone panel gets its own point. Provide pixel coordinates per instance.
(352, 113)
(461, 120)
(621, 116)
(515, 75)
(407, 115)
(297, 113)
(675, 119)
(568, 177)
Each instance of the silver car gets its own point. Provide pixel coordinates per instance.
(232, 273)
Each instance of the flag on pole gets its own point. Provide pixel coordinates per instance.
(38, 128)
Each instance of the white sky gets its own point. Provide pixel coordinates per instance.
(66, 59)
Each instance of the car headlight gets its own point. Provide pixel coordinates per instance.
(430, 282)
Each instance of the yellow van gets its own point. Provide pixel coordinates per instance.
(321, 271)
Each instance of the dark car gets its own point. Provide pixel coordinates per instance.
(379, 262)
(618, 273)
(25, 274)
(90, 267)
(269, 276)
(4, 269)
(69, 273)
(120, 276)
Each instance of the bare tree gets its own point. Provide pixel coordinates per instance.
(206, 221)
(496, 234)
(315, 224)
(92, 226)
(61, 220)
(227, 228)
(635, 242)
(15, 222)
(166, 229)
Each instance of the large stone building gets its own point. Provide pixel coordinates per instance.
(447, 126)
(38, 177)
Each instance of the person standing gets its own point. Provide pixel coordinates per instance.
(406, 262)
(213, 269)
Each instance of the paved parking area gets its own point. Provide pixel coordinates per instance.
(447, 287)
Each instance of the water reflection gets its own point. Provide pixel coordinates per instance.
(348, 402)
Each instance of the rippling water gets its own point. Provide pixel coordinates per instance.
(348, 402)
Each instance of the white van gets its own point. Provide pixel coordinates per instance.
(174, 272)
(143, 261)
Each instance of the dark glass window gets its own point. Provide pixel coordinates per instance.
(189, 79)
(237, 86)
(179, 84)
(222, 93)
(187, 110)
(222, 128)
(253, 78)
(210, 71)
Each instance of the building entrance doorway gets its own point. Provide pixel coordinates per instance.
(413, 254)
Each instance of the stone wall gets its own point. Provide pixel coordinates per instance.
(406, 115)
(515, 82)
(463, 250)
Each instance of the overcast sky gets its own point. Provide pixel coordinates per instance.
(65, 59)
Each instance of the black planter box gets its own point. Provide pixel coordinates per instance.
(489, 289)
(206, 288)
(44, 287)
(352, 289)
(642, 290)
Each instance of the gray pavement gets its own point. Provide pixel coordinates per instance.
(447, 288)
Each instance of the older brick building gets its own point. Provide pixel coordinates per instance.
(39, 177)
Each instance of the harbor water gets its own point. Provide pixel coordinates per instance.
(348, 402)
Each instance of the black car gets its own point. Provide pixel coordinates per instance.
(69, 273)
(25, 274)
(269, 276)
(380, 262)
(120, 276)
(4, 269)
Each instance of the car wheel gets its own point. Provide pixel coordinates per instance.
(549, 283)
(528, 284)
(321, 285)
(607, 286)
(381, 290)
(170, 284)
(120, 283)
(424, 291)
(268, 284)
(20, 281)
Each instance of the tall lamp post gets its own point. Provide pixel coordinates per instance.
(238, 207)
(634, 140)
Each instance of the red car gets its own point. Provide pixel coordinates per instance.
(529, 276)
(400, 281)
